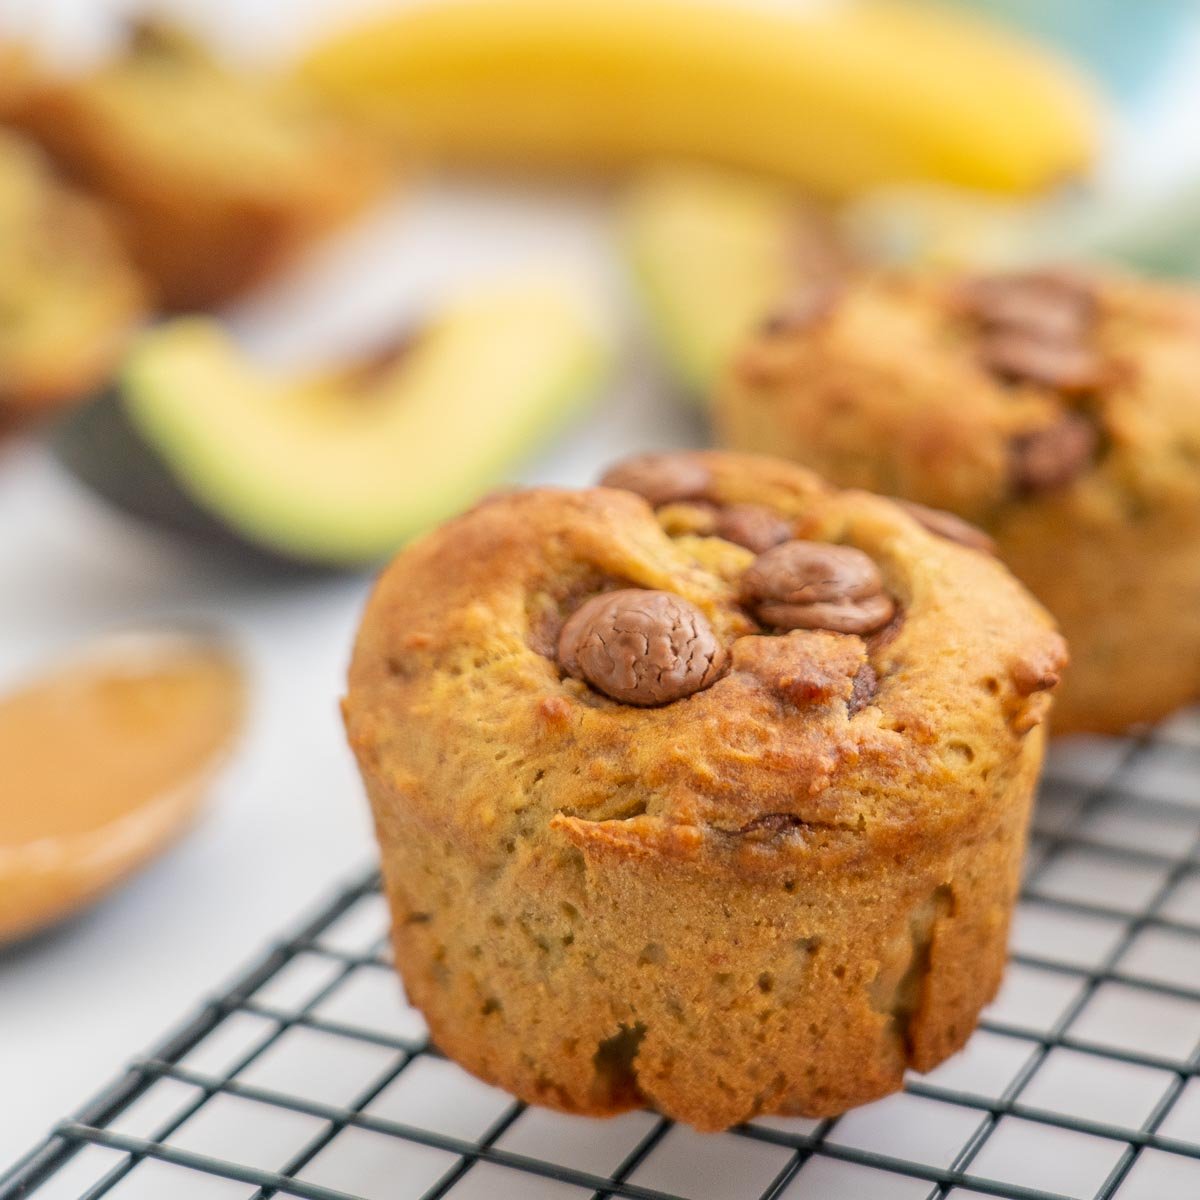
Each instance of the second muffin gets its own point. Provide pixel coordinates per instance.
(706, 789)
(1059, 411)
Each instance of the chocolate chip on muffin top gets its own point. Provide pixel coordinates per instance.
(660, 478)
(681, 478)
(1066, 367)
(1048, 305)
(814, 585)
(1053, 456)
(1037, 328)
(754, 526)
(641, 647)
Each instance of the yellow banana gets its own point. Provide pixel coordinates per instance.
(836, 95)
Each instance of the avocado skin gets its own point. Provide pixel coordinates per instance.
(103, 450)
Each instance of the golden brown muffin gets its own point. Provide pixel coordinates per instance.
(668, 820)
(69, 297)
(16, 78)
(1057, 411)
(220, 176)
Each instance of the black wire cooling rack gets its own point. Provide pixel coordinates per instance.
(311, 1078)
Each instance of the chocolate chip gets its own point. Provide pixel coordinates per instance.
(754, 526)
(948, 526)
(1049, 458)
(866, 684)
(814, 585)
(641, 647)
(661, 478)
(1021, 357)
(1035, 329)
(1039, 315)
(1049, 305)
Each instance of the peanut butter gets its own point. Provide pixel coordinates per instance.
(101, 764)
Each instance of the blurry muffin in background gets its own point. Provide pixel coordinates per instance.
(16, 78)
(69, 296)
(218, 175)
(1057, 410)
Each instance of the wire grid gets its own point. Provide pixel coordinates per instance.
(312, 1078)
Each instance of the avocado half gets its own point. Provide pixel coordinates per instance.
(712, 253)
(335, 469)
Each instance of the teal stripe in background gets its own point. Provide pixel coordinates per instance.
(1127, 44)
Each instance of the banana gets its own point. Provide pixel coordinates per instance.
(837, 96)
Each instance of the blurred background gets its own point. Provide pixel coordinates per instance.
(530, 285)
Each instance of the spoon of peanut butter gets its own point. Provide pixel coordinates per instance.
(104, 761)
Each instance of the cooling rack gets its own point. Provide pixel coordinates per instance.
(310, 1077)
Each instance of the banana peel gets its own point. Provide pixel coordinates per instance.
(835, 97)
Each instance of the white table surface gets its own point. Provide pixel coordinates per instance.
(287, 819)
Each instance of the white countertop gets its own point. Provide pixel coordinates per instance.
(287, 820)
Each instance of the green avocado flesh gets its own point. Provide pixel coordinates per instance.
(712, 253)
(341, 468)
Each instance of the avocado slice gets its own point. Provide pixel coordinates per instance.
(338, 468)
(712, 253)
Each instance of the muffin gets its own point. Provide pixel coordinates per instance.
(706, 789)
(16, 77)
(220, 176)
(1056, 410)
(69, 298)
